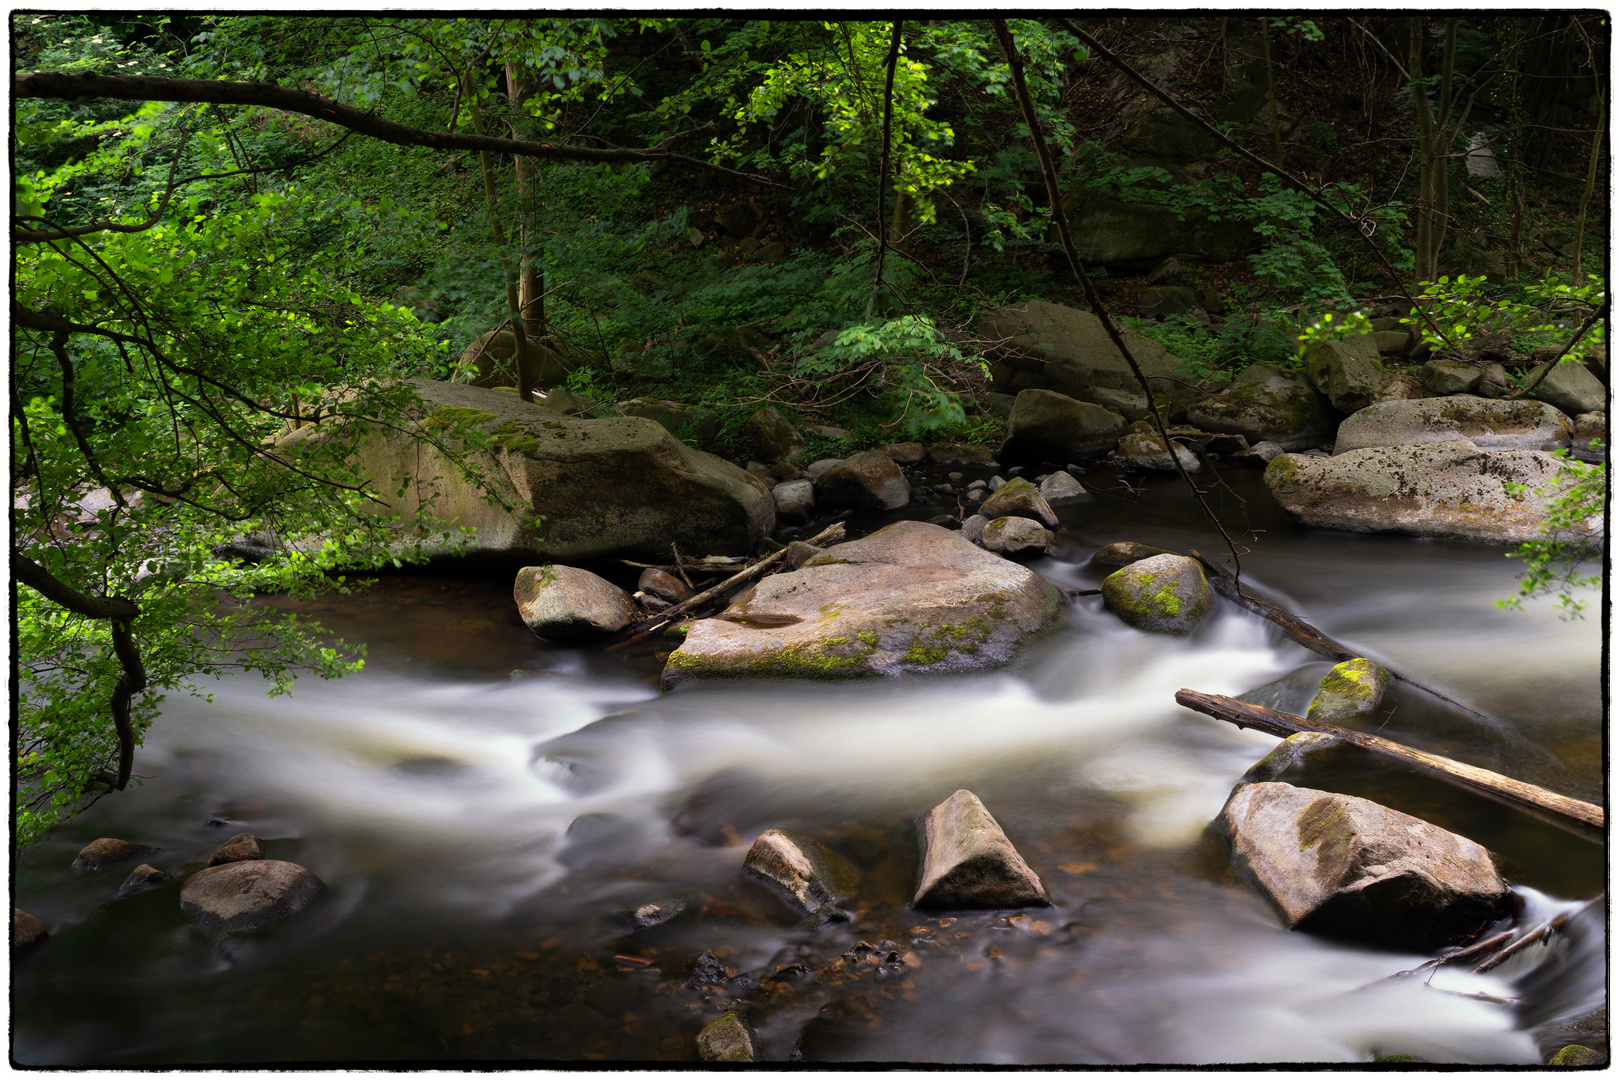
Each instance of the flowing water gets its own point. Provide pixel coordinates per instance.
(487, 809)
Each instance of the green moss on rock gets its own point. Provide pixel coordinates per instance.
(1352, 690)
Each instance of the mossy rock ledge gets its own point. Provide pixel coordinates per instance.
(1165, 594)
(1450, 489)
(614, 487)
(912, 597)
(1489, 425)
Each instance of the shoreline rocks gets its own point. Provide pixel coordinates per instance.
(109, 851)
(26, 931)
(1047, 426)
(1489, 425)
(1267, 404)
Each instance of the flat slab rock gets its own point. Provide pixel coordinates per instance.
(1450, 489)
(1489, 425)
(247, 895)
(1348, 867)
(912, 597)
(968, 862)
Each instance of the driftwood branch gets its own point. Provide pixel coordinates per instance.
(830, 535)
(1303, 633)
(1284, 724)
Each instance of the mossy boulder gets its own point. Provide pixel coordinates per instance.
(492, 360)
(1572, 388)
(619, 487)
(1351, 691)
(1267, 404)
(1576, 1056)
(1135, 237)
(912, 597)
(1052, 347)
(1019, 498)
(809, 876)
(1049, 426)
(1348, 373)
(1489, 425)
(1124, 553)
(692, 424)
(726, 1038)
(1165, 594)
(771, 437)
(1446, 377)
(1142, 448)
(1449, 489)
(1348, 867)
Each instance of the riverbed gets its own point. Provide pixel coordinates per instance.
(488, 810)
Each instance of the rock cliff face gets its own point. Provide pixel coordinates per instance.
(910, 597)
(621, 486)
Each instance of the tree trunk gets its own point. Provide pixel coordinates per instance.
(525, 373)
(1271, 89)
(1591, 181)
(1424, 252)
(531, 276)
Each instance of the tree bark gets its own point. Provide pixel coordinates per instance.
(883, 162)
(1591, 181)
(1284, 724)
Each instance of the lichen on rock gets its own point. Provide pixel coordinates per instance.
(1352, 691)
(1165, 594)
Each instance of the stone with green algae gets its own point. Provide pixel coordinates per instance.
(1576, 1055)
(726, 1038)
(810, 876)
(1352, 691)
(1166, 594)
(1291, 754)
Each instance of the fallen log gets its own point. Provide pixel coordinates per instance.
(832, 534)
(1302, 632)
(1282, 724)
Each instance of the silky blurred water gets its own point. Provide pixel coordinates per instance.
(479, 801)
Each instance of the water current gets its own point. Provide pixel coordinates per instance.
(487, 809)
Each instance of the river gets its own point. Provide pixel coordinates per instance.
(486, 809)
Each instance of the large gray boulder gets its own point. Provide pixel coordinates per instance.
(1450, 489)
(620, 487)
(795, 499)
(867, 481)
(1348, 867)
(1061, 489)
(1348, 372)
(1164, 594)
(693, 424)
(1048, 426)
(1052, 347)
(910, 597)
(565, 603)
(1489, 425)
(1572, 388)
(811, 877)
(1267, 404)
(247, 895)
(968, 862)
(1446, 377)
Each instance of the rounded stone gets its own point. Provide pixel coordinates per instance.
(1352, 691)
(239, 848)
(248, 895)
(867, 481)
(565, 603)
(1166, 594)
(26, 931)
(108, 851)
(1017, 537)
(1124, 553)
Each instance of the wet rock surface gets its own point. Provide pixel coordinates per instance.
(1124, 553)
(239, 848)
(109, 852)
(1352, 691)
(1018, 498)
(1267, 404)
(1348, 867)
(726, 1038)
(1017, 538)
(812, 878)
(867, 481)
(968, 862)
(247, 895)
(1048, 426)
(26, 931)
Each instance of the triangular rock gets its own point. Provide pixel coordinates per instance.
(968, 862)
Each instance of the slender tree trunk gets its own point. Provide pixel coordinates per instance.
(1271, 90)
(1424, 252)
(525, 372)
(1591, 181)
(883, 163)
(531, 277)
